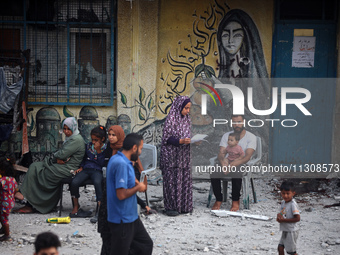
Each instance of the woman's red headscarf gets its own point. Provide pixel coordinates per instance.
(119, 132)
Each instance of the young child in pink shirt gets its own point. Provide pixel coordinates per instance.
(233, 150)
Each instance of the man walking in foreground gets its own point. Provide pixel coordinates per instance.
(128, 234)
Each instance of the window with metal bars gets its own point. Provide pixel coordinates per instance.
(72, 48)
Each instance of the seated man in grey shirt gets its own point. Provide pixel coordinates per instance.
(248, 144)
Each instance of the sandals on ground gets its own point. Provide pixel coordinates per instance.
(171, 213)
(81, 214)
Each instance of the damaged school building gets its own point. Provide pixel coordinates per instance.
(122, 62)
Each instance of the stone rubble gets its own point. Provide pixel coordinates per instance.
(199, 232)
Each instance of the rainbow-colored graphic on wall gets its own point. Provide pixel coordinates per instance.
(204, 97)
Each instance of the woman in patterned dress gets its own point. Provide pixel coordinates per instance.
(175, 161)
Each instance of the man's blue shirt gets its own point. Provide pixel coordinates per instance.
(120, 174)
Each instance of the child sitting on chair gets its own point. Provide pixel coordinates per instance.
(96, 157)
(233, 150)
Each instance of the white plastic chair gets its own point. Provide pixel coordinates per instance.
(148, 158)
(247, 179)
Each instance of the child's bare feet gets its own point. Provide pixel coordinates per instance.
(23, 210)
(235, 206)
(75, 209)
(217, 205)
(5, 238)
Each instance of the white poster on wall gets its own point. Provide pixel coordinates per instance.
(303, 51)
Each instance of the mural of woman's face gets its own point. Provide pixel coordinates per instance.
(232, 37)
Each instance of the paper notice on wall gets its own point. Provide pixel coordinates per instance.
(303, 51)
(303, 59)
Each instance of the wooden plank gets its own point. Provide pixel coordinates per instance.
(223, 213)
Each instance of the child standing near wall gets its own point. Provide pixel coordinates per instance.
(8, 187)
(288, 217)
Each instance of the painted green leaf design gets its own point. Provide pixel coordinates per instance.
(151, 103)
(141, 94)
(141, 115)
(123, 98)
(199, 69)
(209, 71)
(67, 112)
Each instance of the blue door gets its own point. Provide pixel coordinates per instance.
(310, 141)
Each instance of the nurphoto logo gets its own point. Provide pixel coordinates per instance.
(238, 103)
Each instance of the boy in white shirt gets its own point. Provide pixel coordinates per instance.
(288, 217)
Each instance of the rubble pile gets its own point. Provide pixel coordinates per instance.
(199, 232)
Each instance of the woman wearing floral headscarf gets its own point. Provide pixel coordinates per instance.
(42, 181)
(175, 161)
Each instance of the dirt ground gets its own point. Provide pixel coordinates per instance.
(199, 232)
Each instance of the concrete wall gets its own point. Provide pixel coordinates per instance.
(160, 44)
(156, 61)
(137, 60)
(177, 39)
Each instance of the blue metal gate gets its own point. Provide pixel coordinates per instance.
(310, 141)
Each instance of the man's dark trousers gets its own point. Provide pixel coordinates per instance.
(130, 237)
